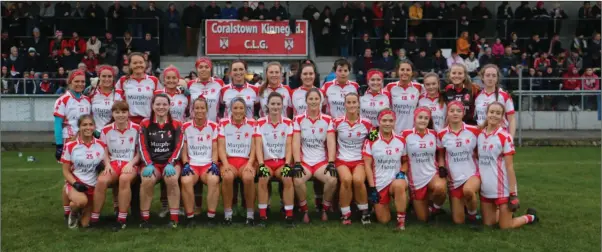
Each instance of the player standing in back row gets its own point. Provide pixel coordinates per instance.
(137, 88)
(335, 91)
(404, 96)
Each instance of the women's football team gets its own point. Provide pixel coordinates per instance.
(407, 142)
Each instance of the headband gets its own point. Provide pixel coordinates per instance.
(455, 103)
(372, 73)
(421, 109)
(102, 68)
(75, 74)
(171, 69)
(386, 112)
(203, 60)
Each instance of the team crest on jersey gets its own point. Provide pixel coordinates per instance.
(282, 133)
(412, 97)
(431, 143)
(147, 88)
(131, 139)
(168, 133)
(248, 97)
(208, 136)
(359, 133)
(321, 130)
(467, 97)
(491, 147)
(381, 103)
(179, 102)
(97, 154)
(467, 141)
(246, 134)
(396, 150)
(213, 90)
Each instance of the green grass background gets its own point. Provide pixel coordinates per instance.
(562, 183)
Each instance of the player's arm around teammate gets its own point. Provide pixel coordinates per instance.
(161, 142)
(456, 155)
(351, 131)
(426, 182)
(200, 158)
(498, 179)
(80, 161)
(237, 154)
(386, 164)
(273, 137)
(314, 152)
(121, 137)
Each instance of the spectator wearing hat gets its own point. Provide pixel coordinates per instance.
(278, 12)
(262, 13)
(212, 11)
(229, 12)
(245, 13)
(192, 17)
(39, 43)
(33, 61)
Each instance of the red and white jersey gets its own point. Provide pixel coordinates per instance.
(238, 138)
(285, 91)
(122, 144)
(351, 137)
(492, 148)
(422, 158)
(403, 102)
(298, 100)
(178, 104)
(84, 158)
(484, 99)
(335, 96)
(101, 106)
(386, 159)
(200, 139)
(459, 150)
(438, 111)
(248, 92)
(313, 137)
(371, 104)
(273, 137)
(211, 90)
(71, 109)
(138, 93)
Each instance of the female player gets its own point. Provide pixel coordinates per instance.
(121, 138)
(385, 162)
(200, 159)
(208, 87)
(80, 160)
(239, 88)
(404, 96)
(498, 180)
(460, 88)
(351, 131)
(237, 153)
(104, 96)
(179, 101)
(68, 108)
(273, 137)
(314, 152)
(137, 88)
(335, 91)
(160, 143)
(273, 83)
(434, 100)
(376, 98)
(308, 79)
(490, 74)
(426, 181)
(456, 144)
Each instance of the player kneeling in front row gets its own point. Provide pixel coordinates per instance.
(425, 179)
(200, 158)
(80, 159)
(121, 137)
(273, 142)
(237, 153)
(385, 170)
(160, 145)
(498, 186)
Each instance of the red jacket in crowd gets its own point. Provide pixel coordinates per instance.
(63, 44)
(571, 79)
(91, 63)
(78, 45)
(378, 14)
(590, 82)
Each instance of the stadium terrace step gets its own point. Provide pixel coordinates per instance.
(14, 140)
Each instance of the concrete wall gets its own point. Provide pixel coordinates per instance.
(35, 114)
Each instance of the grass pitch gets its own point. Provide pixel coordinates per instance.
(562, 183)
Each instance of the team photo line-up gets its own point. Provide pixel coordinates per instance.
(408, 142)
